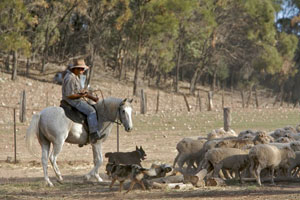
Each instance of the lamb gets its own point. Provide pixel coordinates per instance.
(268, 156)
(188, 151)
(236, 163)
(214, 156)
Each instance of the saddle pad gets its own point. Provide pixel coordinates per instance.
(72, 113)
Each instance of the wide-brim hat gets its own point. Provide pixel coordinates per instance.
(79, 63)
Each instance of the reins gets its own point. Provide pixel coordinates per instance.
(118, 111)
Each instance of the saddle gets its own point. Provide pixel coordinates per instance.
(74, 114)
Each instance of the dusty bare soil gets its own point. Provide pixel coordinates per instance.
(158, 133)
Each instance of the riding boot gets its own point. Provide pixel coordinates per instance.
(96, 136)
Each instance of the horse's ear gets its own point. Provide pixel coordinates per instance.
(141, 148)
(130, 101)
(136, 147)
(124, 100)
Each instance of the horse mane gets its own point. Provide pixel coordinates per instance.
(108, 108)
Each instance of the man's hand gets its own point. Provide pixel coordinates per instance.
(95, 99)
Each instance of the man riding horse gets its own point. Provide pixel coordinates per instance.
(73, 93)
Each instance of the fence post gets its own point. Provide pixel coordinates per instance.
(210, 103)
(15, 136)
(223, 99)
(157, 101)
(227, 119)
(47, 99)
(22, 116)
(118, 139)
(186, 103)
(143, 102)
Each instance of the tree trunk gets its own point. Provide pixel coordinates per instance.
(27, 66)
(256, 98)
(176, 85)
(136, 74)
(122, 64)
(137, 65)
(15, 66)
(7, 62)
(45, 56)
(249, 97)
(194, 79)
(158, 79)
(214, 80)
(91, 69)
(243, 98)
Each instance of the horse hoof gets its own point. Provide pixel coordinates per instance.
(87, 177)
(60, 181)
(49, 184)
(99, 179)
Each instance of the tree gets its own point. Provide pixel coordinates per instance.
(14, 20)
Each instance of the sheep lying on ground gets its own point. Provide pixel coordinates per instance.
(263, 156)
(188, 152)
(221, 133)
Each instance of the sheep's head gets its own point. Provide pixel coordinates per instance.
(295, 145)
(222, 144)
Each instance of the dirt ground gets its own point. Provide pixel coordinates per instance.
(157, 133)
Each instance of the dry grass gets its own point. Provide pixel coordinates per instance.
(158, 133)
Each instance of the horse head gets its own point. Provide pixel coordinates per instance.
(125, 113)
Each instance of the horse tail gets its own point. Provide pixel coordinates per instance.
(32, 131)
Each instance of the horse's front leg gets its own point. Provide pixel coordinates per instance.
(98, 160)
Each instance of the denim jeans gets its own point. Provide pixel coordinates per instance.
(90, 112)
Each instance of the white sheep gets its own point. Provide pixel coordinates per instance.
(268, 156)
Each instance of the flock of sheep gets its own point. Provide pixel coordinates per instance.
(244, 155)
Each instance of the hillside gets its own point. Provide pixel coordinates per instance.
(42, 92)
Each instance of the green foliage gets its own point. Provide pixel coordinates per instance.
(262, 15)
(287, 45)
(270, 60)
(14, 21)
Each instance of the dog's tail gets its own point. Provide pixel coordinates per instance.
(108, 154)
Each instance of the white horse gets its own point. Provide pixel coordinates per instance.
(51, 125)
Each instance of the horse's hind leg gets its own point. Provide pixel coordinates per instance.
(45, 144)
(57, 147)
